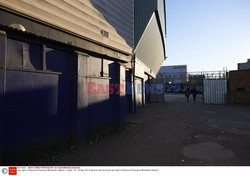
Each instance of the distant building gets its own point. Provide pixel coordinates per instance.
(244, 66)
(174, 74)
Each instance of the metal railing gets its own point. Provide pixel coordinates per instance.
(192, 76)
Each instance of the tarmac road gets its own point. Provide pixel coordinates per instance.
(173, 133)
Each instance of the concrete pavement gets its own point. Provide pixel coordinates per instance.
(173, 133)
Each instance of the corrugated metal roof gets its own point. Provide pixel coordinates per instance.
(31, 37)
(150, 49)
(143, 12)
(162, 12)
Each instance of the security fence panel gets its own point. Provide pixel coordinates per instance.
(158, 95)
(215, 91)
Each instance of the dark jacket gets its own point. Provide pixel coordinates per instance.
(194, 91)
(187, 92)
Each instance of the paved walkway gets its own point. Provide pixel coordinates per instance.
(174, 133)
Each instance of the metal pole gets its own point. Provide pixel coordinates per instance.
(133, 79)
(3, 55)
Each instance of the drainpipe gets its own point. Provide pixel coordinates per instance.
(3, 55)
(133, 80)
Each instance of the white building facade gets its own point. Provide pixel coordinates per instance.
(174, 73)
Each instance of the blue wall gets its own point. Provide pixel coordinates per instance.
(46, 105)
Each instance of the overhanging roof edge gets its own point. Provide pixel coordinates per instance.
(156, 14)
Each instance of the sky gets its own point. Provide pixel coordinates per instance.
(208, 35)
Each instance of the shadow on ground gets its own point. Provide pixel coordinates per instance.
(172, 134)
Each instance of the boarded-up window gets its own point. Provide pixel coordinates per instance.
(22, 55)
(59, 61)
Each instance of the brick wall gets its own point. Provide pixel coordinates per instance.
(239, 80)
(239, 87)
(236, 97)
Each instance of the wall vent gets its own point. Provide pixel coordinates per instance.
(105, 33)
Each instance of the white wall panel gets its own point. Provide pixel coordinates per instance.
(83, 17)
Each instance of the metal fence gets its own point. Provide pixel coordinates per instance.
(199, 76)
(215, 91)
(213, 84)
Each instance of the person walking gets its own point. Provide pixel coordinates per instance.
(187, 94)
(194, 93)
